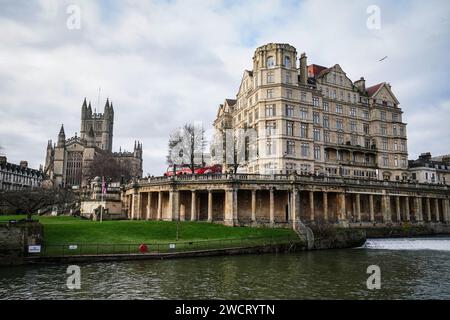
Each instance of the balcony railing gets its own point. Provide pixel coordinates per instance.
(288, 178)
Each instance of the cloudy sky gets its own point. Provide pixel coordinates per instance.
(164, 63)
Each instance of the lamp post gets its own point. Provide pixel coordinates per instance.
(180, 154)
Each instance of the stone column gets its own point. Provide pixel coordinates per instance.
(137, 206)
(230, 199)
(133, 200)
(407, 213)
(149, 203)
(358, 207)
(446, 211)
(272, 206)
(418, 213)
(325, 206)
(371, 209)
(397, 208)
(193, 205)
(436, 206)
(182, 212)
(235, 207)
(174, 204)
(159, 205)
(253, 205)
(210, 206)
(386, 208)
(295, 207)
(342, 207)
(428, 208)
(311, 206)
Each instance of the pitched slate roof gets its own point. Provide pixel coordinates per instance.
(231, 102)
(373, 89)
(314, 70)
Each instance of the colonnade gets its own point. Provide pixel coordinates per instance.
(272, 205)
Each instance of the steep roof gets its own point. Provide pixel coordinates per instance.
(231, 102)
(314, 70)
(374, 89)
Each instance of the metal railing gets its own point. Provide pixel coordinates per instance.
(98, 249)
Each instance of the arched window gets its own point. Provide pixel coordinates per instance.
(287, 62)
(270, 62)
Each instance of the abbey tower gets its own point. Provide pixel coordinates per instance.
(68, 163)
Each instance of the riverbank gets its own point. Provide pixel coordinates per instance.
(69, 239)
(341, 238)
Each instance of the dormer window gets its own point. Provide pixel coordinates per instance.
(270, 62)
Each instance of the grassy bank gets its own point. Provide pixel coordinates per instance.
(69, 230)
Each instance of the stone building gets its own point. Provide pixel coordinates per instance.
(428, 169)
(97, 205)
(314, 119)
(284, 200)
(18, 176)
(69, 161)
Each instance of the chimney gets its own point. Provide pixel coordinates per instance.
(24, 164)
(425, 156)
(2, 160)
(361, 84)
(303, 69)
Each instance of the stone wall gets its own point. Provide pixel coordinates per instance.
(15, 238)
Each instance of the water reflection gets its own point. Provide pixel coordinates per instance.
(339, 274)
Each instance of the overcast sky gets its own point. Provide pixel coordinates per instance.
(164, 63)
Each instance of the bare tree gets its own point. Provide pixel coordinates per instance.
(29, 201)
(187, 146)
(106, 165)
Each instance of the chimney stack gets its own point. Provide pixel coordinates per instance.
(303, 69)
(361, 84)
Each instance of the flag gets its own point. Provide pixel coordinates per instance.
(103, 185)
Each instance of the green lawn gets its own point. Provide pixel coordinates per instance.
(69, 230)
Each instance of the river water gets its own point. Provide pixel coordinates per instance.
(410, 269)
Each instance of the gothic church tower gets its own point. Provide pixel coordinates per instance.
(101, 123)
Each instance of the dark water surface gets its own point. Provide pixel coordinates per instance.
(410, 269)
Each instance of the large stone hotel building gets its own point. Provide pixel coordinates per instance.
(314, 119)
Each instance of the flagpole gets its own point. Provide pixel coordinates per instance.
(101, 207)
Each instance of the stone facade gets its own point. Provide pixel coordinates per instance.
(18, 176)
(285, 200)
(427, 169)
(69, 161)
(314, 119)
(95, 204)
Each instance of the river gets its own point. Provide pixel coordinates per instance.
(410, 269)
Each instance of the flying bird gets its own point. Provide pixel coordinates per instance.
(382, 59)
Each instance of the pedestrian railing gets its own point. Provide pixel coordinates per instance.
(81, 249)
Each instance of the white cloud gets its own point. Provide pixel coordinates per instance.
(164, 63)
